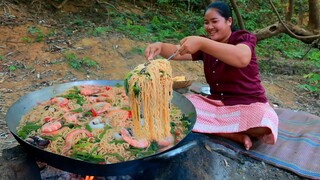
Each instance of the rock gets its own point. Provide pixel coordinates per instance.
(16, 164)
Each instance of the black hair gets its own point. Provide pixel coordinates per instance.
(223, 9)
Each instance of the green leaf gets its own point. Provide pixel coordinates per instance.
(28, 128)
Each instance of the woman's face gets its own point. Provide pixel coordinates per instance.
(216, 26)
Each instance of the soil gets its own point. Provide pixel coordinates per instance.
(29, 66)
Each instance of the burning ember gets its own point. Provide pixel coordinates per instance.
(89, 178)
(49, 172)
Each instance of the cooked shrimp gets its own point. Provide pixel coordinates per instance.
(72, 117)
(60, 101)
(90, 90)
(165, 148)
(57, 132)
(138, 143)
(118, 117)
(94, 99)
(70, 136)
(109, 95)
(167, 141)
(51, 126)
(100, 107)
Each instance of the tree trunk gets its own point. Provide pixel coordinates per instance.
(290, 11)
(238, 15)
(314, 17)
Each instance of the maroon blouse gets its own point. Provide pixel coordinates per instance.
(234, 85)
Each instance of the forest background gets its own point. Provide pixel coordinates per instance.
(288, 32)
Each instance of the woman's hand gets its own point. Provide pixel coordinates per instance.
(152, 50)
(190, 45)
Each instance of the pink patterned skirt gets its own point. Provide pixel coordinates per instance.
(214, 117)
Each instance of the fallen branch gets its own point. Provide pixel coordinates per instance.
(60, 5)
(289, 31)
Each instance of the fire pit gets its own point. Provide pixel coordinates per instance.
(35, 169)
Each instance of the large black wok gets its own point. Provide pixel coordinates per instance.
(25, 103)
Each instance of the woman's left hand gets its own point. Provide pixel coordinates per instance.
(190, 45)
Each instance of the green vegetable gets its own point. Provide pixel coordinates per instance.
(117, 142)
(139, 153)
(77, 110)
(69, 125)
(136, 89)
(88, 128)
(126, 108)
(104, 131)
(89, 157)
(27, 129)
(75, 94)
(186, 122)
(51, 137)
(125, 83)
(120, 158)
(118, 85)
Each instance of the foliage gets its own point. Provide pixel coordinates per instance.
(170, 21)
(313, 78)
(100, 31)
(12, 68)
(78, 63)
(156, 25)
(35, 33)
(282, 46)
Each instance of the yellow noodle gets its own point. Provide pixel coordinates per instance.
(153, 100)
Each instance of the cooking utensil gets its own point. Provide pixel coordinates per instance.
(172, 55)
(147, 63)
(25, 103)
(143, 70)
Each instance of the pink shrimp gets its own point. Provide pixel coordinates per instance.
(109, 95)
(89, 90)
(167, 141)
(165, 148)
(97, 99)
(57, 132)
(100, 107)
(72, 117)
(138, 143)
(51, 126)
(120, 117)
(70, 136)
(60, 101)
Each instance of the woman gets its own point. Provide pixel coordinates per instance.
(237, 107)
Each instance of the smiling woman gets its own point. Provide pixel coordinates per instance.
(236, 107)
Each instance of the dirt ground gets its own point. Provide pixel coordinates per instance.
(29, 66)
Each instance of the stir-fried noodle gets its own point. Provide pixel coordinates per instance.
(151, 102)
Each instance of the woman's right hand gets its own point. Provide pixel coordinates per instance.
(152, 50)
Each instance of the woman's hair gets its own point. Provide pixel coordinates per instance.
(223, 9)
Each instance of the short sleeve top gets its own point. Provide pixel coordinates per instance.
(230, 84)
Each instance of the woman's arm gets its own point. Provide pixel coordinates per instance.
(165, 50)
(235, 55)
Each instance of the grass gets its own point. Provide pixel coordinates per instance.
(79, 63)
